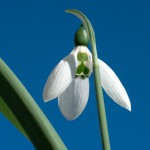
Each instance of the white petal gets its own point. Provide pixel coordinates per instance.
(113, 87)
(60, 78)
(73, 101)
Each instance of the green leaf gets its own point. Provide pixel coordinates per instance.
(21, 109)
(4, 109)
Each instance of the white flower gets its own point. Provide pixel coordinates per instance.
(69, 82)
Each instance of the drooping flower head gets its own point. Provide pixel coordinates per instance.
(69, 81)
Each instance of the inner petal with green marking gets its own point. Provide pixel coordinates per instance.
(82, 70)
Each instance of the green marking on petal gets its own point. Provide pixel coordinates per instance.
(82, 71)
(82, 56)
(80, 68)
(86, 71)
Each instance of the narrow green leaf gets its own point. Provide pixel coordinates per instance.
(4, 109)
(25, 113)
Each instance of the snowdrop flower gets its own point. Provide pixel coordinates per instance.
(69, 81)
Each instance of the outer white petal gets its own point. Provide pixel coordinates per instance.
(73, 101)
(113, 87)
(60, 78)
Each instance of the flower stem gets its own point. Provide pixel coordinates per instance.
(21, 109)
(99, 93)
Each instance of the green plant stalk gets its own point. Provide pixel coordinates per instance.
(27, 115)
(96, 69)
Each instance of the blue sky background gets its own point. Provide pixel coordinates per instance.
(36, 35)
